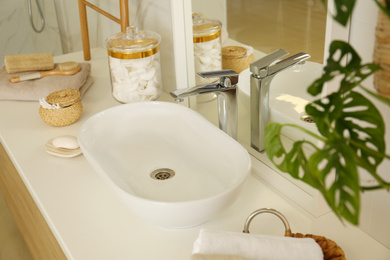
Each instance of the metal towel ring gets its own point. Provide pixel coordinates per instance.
(266, 210)
(329, 248)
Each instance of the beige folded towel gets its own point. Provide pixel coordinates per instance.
(33, 90)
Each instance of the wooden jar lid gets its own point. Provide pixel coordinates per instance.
(70, 111)
(233, 51)
(236, 58)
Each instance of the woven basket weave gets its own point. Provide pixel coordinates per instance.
(70, 111)
(329, 248)
(382, 54)
(236, 58)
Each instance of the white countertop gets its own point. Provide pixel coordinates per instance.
(91, 223)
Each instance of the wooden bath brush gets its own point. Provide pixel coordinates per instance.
(65, 69)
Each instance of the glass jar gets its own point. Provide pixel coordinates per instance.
(207, 46)
(134, 62)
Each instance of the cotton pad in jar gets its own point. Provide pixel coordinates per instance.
(134, 61)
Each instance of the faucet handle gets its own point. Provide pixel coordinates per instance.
(258, 67)
(222, 75)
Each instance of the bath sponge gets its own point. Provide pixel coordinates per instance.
(28, 62)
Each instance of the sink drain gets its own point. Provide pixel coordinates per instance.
(162, 174)
(307, 119)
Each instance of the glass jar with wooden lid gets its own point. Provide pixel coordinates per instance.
(134, 62)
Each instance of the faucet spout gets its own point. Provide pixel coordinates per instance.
(227, 99)
(180, 94)
(288, 62)
(262, 74)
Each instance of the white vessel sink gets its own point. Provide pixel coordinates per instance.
(288, 96)
(133, 144)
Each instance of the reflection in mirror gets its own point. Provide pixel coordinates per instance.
(267, 25)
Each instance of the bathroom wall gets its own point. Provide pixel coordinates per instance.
(17, 35)
(375, 218)
(146, 13)
(152, 15)
(216, 9)
(69, 25)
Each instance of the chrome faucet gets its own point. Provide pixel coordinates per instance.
(226, 93)
(262, 74)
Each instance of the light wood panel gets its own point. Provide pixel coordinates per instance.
(32, 225)
(12, 245)
(123, 21)
(267, 25)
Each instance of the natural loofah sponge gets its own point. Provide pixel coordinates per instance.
(28, 62)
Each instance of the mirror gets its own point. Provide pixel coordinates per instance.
(292, 25)
(268, 25)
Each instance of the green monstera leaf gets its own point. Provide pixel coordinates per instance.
(343, 60)
(352, 132)
(344, 10)
(385, 8)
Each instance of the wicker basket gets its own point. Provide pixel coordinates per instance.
(382, 54)
(329, 248)
(236, 58)
(70, 111)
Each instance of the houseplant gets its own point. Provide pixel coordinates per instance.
(352, 130)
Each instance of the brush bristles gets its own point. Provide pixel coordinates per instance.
(67, 66)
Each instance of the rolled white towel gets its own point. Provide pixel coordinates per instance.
(256, 247)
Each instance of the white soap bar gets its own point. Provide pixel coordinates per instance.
(66, 141)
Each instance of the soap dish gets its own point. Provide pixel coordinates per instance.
(64, 107)
(61, 151)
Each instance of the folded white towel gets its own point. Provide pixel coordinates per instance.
(256, 247)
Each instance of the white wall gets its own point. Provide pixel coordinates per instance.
(69, 25)
(215, 9)
(375, 218)
(17, 36)
(153, 15)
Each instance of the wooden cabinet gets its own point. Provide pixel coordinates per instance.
(30, 221)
